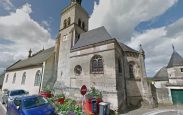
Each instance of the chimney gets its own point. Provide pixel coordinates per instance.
(30, 53)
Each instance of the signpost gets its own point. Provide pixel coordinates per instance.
(83, 91)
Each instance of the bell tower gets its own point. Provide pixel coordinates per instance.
(74, 21)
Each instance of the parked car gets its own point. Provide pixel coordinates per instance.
(9, 95)
(30, 105)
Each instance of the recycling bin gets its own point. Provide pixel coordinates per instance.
(94, 105)
(104, 108)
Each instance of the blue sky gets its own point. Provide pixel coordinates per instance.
(156, 24)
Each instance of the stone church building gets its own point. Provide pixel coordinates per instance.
(85, 57)
(95, 59)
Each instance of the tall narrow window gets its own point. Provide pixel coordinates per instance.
(69, 21)
(131, 69)
(37, 78)
(7, 78)
(83, 25)
(23, 78)
(65, 23)
(14, 78)
(97, 64)
(119, 66)
(79, 22)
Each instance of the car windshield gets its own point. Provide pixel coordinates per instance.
(34, 102)
(17, 92)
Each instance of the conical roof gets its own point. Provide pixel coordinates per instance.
(161, 75)
(175, 60)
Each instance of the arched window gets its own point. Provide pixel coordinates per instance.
(65, 23)
(131, 70)
(23, 78)
(37, 78)
(119, 66)
(83, 25)
(97, 64)
(69, 21)
(14, 78)
(79, 22)
(7, 78)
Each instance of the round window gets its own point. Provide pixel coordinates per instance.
(78, 70)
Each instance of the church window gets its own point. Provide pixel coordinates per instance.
(181, 69)
(69, 21)
(131, 70)
(65, 23)
(97, 64)
(78, 70)
(14, 78)
(83, 25)
(37, 78)
(23, 78)
(119, 66)
(79, 22)
(7, 78)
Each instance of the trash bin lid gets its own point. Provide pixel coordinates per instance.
(103, 103)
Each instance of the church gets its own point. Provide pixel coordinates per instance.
(85, 57)
(96, 59)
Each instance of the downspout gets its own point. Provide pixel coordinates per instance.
(42, 75)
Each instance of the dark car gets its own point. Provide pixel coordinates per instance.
(30, 105)
(9, 95)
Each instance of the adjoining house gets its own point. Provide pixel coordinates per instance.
(1, 79)
(31, 74)
(95, 59)
(169, 81)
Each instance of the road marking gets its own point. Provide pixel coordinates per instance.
(162, 111)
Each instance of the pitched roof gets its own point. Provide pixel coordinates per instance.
(161, 75)
(127, 48)
(175, 60)
(36, 59)
(92, 37)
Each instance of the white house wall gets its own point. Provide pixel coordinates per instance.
(29, 82)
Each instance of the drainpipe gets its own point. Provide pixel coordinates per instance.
(42, 75)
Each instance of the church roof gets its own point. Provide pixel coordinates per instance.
(175, 60)
(161, 75)
(92, 37)
(126, 48)
(36, 59)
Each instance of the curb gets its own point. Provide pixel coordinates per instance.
(3, 107)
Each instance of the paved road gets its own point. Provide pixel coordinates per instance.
(2, 111)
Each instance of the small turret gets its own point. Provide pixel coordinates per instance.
(76, 1)
(30, 53)
(142, 52)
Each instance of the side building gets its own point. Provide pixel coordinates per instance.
(31, 74)
(169, 81)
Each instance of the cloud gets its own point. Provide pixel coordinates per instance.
(120, 17)
(157, 44)
(21, 33)
(6, 4)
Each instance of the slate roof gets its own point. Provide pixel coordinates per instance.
(175, 60)
(92, 37)
(126, 48)
(161, 75)
(36, 59)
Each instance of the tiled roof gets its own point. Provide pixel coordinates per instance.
(92, 37)
(127, 48)
(161, 75)
(36, 59)
(175, 60)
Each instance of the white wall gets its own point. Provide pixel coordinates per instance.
(29, 82)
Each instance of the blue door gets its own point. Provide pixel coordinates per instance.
(177, 96)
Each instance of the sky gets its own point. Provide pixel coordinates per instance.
(34, 24)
